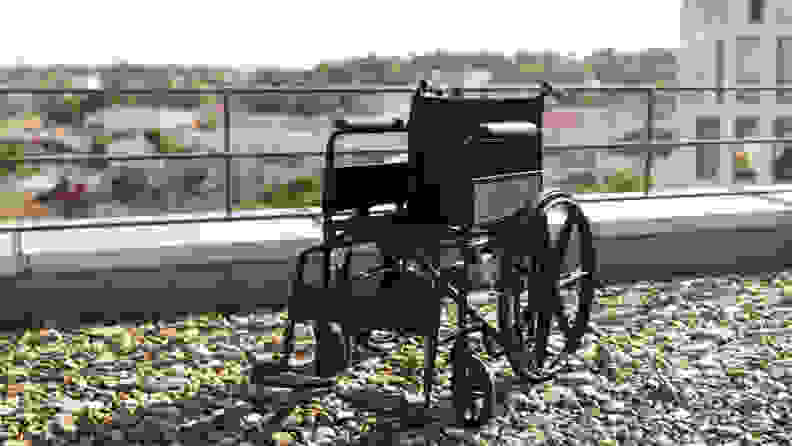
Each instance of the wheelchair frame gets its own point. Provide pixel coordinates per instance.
(429, 220)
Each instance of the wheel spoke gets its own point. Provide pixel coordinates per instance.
(551, 323)
(570, 279)
(473, 388)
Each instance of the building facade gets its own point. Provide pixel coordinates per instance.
(735, 43)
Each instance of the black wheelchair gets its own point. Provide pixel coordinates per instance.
(450, 195)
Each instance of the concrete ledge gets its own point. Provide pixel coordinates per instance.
(635, 240)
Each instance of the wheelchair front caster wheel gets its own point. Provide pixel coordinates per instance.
(473, 388)
(331, 349)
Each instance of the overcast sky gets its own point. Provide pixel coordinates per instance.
(299, 34)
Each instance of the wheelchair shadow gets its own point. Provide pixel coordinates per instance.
(277, 392)
(399, 418)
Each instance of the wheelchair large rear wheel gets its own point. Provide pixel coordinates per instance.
(556, 288)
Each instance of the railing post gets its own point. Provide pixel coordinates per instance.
(649, 138)
(227, 147)
(765, 156)
(16, 247)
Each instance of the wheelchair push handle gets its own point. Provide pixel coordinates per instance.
(548, 89)
(369, 124)
(509, 128)
(424, 87)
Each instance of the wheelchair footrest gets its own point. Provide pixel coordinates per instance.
(262, 376)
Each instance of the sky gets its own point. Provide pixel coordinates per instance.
(301, 34)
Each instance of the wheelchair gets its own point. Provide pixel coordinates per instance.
(449, 197)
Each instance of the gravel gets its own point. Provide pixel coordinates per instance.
(689, 362)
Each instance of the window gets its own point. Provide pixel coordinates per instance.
(719, 67)
(783, 15)
(757, 11)
(784, 69)
(707, 12)
(744, 127)
(707, 156)
(747, 59)
(782, 159)
(748, 67)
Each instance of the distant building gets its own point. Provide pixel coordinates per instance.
(141, 118)
(87, 81)
(735, 43)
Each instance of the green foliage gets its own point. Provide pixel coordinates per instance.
(12, 200)
(19, 123)
(307, 184)
(623, 181)
(164, 143)
(744, 163)
(306, 191)
(103, 140)
(23, 171)
(12, 152)
(73, 101)
(300, 193)
(12, 158)
(532, 68)
(212, 124)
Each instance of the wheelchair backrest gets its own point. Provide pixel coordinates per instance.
(443, 167)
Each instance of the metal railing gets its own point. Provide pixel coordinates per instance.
(227, 155)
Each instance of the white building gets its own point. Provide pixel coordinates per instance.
(734, 43)
(89, 81)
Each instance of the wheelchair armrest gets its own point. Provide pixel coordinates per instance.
(369, 124)
(524, 128)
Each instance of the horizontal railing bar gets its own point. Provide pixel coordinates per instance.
(506, 176)
(298, 213)
(372, 90)
(198, 155)
(294, 214)
(626, 88)
(550, 148)
(660, 194)
(687, 142)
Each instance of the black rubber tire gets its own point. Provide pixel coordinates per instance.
(472, 387)
(586, 285)
(542, 324)
(331, 351)
(529, 351)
